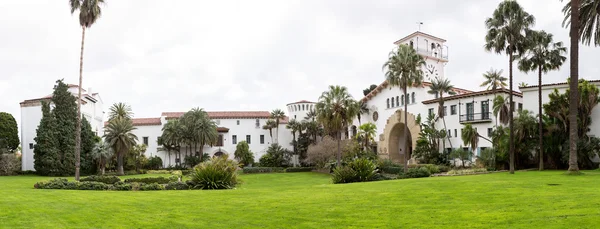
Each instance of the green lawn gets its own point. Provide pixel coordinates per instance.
(309, 200)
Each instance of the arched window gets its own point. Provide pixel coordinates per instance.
(411, 44)
(302, 106)
(402, 100)
(432, 46)
(393, 102)
(413, 98)
(388, 103)
(407, 98)
(397, 101)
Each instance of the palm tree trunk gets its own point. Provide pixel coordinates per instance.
(444, 121)
(120, 171)
(405, 132)
(277, 132)
(78, 128)
(339, 152)
(541, 124)
(510, 116)
(574, 80)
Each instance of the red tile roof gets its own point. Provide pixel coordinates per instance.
(472, 94)
(301, 101)
(145, 121)
(228, 115)
(424, 84)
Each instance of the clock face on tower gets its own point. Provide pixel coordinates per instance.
(431, 72)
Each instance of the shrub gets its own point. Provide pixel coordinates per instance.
(150, 180)
(344, 174)
(391, 170)
(9, 164)
(56, 183)
(415, 173)
(217, 173)
(467, 171)
(325, 151)
(276, 156)
(381, 163)
(92, 185)
(160, 171)
(263, 169)
(103, 179)
(365, 169)
(154, 163)
(121, 186)
(177, 186)
(190, 161)
(298, 169)
(243, 153)
(431, 168)
(151, 187)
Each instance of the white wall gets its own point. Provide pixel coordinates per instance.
(298, 111)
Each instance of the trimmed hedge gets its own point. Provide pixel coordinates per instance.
(298, 169)
(122, 186)
(151, 187)
(102, 179)
(415, 173)
(264, 169)
(62, 183)
(151, 180)
(92, 185)
(177, 186)
(391, 170)
(159, 171)
(430, 167)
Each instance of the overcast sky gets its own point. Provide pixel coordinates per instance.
(244, 55)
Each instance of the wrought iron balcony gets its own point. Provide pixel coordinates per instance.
(476, 117)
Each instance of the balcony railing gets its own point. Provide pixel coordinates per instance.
(476, 117)
(429, 52)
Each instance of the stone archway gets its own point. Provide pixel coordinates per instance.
(390, 145)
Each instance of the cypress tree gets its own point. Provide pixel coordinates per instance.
(88, 140)
(9, 133)
(65, 115)
(45, 152)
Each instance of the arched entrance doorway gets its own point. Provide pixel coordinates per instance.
(396, 137)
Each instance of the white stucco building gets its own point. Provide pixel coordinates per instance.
(31, 115)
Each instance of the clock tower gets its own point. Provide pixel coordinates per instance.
(432, 49)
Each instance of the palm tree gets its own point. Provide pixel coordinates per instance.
(335, 111)
(269, 125)
(310, 115)
(120, 110)
(506, 33)
(363, 109)
(89, 12)
(493, 81)
(589, 20)
(277, 115)
(470, 137)
(102, 152)
(171, 138)
(543, 55)
(294, 127)
(403, 69)
(500, 109)
(206, 131)
(367, 132)
(439, 87)
(119, 136)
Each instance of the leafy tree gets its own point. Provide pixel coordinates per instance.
(243, 154)
(118, 134)
(428, 149)
(102, 152)
(369, 89)
(335, 111)
(136, 158)
(439, 87)
(323, 152)
(461, 154)
(89, 12)
(588, 22)
(403, 69)
(269, 125)
(542, 56)
(46, 153)
(9, 133)
(88, 141)
(171, 139)
(276, 156)
(367, 132)
(65, 116)
(277, 115)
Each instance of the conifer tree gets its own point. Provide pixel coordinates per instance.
(65, 115)
(45, 152)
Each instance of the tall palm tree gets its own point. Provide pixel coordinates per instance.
(277, 115)
(367, 132)
(506, 33)
(269, 125)
(119, 135)
(439, 87)
(206, 131)
(294, 126)
(120, 110)
(335, 111)
(101, 152)
(403, 69)
(493, 81)
(589, 20)
(89, 12)
(171, 138)
(543, 55)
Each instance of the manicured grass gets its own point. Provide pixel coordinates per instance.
(309, 200)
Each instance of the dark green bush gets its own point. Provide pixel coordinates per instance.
(365, 169)
(103, 179)
(431, 168)
(344, 174)
(151, 187)
(264, 169)
(276, 156)
(150, 180)
(298, 169)
(92, 185)
(217, 173)
(443, 168)
(391, 170)
(415, 173)
(154, 163)
(121, 186)
(192, 160)
(56, 183)
(177, 186)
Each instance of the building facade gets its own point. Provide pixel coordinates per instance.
(31, 115)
